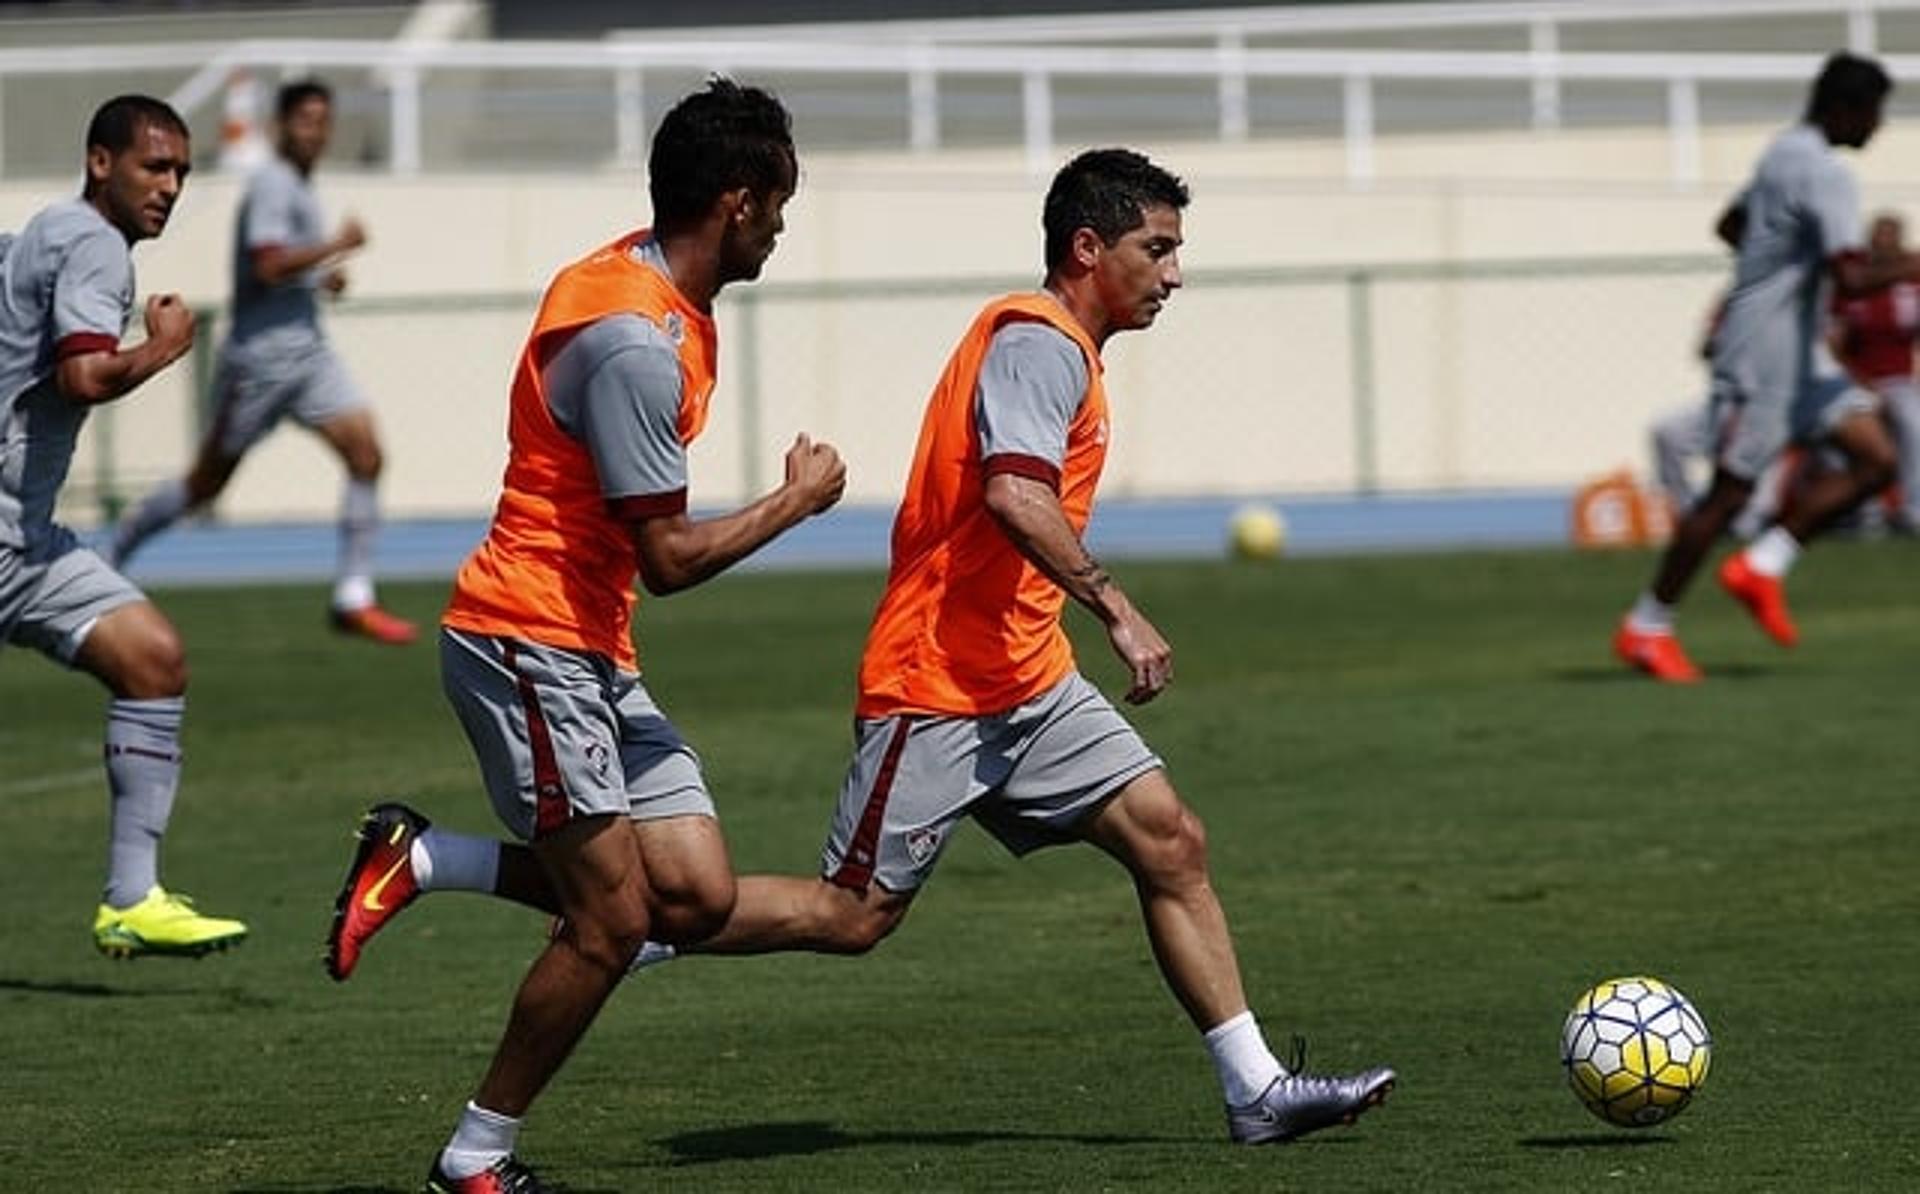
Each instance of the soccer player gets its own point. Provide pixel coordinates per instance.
(66, 297)
(276, 362)
(1873, 337)
(536, 648)
(1773, 378)
(971, 704)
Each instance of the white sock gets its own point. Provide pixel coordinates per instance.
(1774, 552)
(651, 953)
(1241, 1057)
(1650, 615)
(445, 861)
(359, 524)
(482, 1138)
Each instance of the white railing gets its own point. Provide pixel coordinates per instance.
(1030, 50)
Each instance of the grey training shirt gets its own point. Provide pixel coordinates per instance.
(279, 210)
(1802, 208)
(1031, 385)
(66, 288)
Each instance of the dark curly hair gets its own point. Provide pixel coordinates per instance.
(1108, 191)
(717, 140)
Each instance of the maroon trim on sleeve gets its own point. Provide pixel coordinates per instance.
(648, 505)
(81, 344)
(1034, 468)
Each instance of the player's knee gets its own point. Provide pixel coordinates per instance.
(608, 937)
(366, 461)
(1174, 852)
(156, 666)
(1877, 467)
(695, 913)
(859, 928)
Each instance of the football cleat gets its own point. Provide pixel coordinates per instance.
(1656, 653)
(1764, 596)
(379, 883)
(163, 924)
(505, 1176)
(370, 621)
(1298, 1102)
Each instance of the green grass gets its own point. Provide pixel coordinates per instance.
(1437, 809)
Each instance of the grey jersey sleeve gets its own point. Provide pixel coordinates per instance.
(1833, 203)
(1031, 385)
(93, 293)
(272, 214)
(616, 387)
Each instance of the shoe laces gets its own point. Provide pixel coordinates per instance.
(516, 1178)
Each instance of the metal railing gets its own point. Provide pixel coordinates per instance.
(910, 71)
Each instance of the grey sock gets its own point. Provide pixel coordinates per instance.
(155, 513)
(359, 525)
(143, 770)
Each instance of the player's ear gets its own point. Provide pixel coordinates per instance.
(1085, 248)
(736, 205)
(99, 165)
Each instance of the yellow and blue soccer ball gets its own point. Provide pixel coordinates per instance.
(1635, 1051)
(1256, 532)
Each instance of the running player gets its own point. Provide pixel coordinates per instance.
(66, 297)
(1773, 378)
(536, 647)
(277, 363)
(971, 704)
(1873, 337)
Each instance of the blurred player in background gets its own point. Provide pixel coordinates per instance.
(1873, 336)
(1774, 379)
(536, 647)
(66, 297)
(971, 703)
(276, 362)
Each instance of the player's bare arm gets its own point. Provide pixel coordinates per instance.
(275, 264)
(1858, 273)
(1029, 512)
(94, 377)
(677, 552)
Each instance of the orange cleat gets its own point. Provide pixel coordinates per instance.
(378, 886)
(370, 621)
(1764, 596)
(1656, 653)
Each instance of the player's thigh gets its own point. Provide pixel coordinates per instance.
(253, 390)
(910, 781)
(1075, 752)
(598, 877)
(331, 404)
(1750, 431)
(1831, 408)
(1149, 828)
(543, 727)
(56, 602)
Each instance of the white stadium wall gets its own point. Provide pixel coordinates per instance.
(1530, 377)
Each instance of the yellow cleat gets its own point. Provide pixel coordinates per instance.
(163, 925)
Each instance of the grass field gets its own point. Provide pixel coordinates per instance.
(1438, 812)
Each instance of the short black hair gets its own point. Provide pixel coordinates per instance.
(298, 92)
(1107, 190)
(718, 139)
(116, 122)
(1848, 82)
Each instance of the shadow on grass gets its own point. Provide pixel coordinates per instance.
(759, 1141)
(1594, 1140)
(1619, 673)
(31, 986)
(326, 1189)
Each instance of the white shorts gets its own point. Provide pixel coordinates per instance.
(52, 594)
(261, 381)
(563, 734)
(1028, 776)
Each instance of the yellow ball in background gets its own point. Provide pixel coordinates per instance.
(1257, 532)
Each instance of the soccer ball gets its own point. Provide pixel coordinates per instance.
(1257, 532)
(1635, 1051)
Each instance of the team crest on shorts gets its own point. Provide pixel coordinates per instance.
(921, 844)
(597, 757)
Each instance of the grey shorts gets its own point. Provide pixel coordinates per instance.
(1029, 777)
(563, 734)
(1751, 429)
(52, 594)
(260, 381)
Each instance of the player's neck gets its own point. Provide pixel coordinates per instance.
(1080, 303)
(694, 264)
